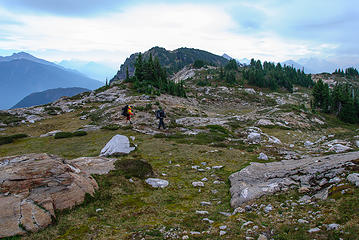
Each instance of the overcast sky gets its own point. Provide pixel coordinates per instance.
(110, 30)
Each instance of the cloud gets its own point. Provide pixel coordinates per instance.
(273, 30)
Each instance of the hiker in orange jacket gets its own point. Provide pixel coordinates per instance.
(129, 114)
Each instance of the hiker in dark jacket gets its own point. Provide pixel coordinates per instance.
(160, 114)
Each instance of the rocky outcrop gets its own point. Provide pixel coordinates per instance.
(33, 186)
(260, 179)
(118, 145)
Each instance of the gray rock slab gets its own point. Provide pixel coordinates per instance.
(118, 145)
(354, 178)
(260, 179)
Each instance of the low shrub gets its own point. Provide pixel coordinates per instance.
(6, 140)
(111, 127)
(79, 133)
(63, 135)
(20, 135)
(134, 168)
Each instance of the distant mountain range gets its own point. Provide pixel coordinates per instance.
(93, 70)
(22, 74)
(173, 61)
(48, 96)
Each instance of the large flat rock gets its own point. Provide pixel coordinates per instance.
(33, 186)
(260, 179)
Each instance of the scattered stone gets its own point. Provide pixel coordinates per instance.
(99, 209)
(323, 194)
(201, 212)
(314, 230)
(254, 137)
(216, 182)
(118, 145)
(185, 237)
(157, 183)
(225, 214)
(49, 134)
(217, 167)
(323, 182)
(354, 178)
(268, 208)
(223, 227)
(302, 221)
(205, 204)
(246, 224)
(204, 179)
(274, 140)
(195, 233)
(335, 180)
(264, 122)
(303, 190)
(238, 210)
(198, 184)
(214, 191)
(339, 148)
(308, 143)
(204, 163)
(262, 237)
(263, 156)
(208, 220)
(305, 199)
(333, 226)
(250, 90)
(221, 233)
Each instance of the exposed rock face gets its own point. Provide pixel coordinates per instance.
(157, 183)
(260, 179)
(93, 165)
(33, 186)
(118, 145)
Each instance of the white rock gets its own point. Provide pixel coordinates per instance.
(201, 212)
(52, 133)
(274, 140)
(354, 178)
(217, 167)
(263, 156)
(225, 214)
(338, 148)
(224, 227)
(205, 204)
(268, 208)
(246, 224)
(308, 143)
(216, 182)
(157, 183)
(357, 143)
(118, 145)
(314, 230)
(254, 137)
(195, 233)
(264, 122)
(221, 233)
(262, 237)
(238, 210)
(302, 221)
(204, 179)
(335, 180)
(250, 90)
(185, 237)
(198, 184)
(208, 220)
(333, 226)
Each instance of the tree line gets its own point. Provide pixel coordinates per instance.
(276, 76)
(342, 100)
(349, 72)
(151, 78)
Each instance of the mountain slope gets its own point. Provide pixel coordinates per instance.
(51, 95)
(94, 70)
(21, 77)
(173, 61)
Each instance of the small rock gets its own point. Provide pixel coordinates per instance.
(99, 209)
(305, 199)
(185, 237)
(335, 180)
(338, 148)
(268, 208)
(238, 210)
(263, 156)
(208, 220)
(333, 226)
(214, 191)
(198, 184)
(204, 179)
(302, 221)
(216, 182)
(246, 224)
(308, 143)
(195, 167)
(204, 163)
(201, 212)
(217, 167)
(195, 233)
(303, 190)
(354, 178)
(224, 227)
(248, 208)
(254, 137)
(221, 233)
(323, 182)
(262, 237)
(314, 230)
(225, 214)
(206, 204)
(157, 183)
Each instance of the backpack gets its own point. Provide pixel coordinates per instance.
(160, 114)
(125, 111)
